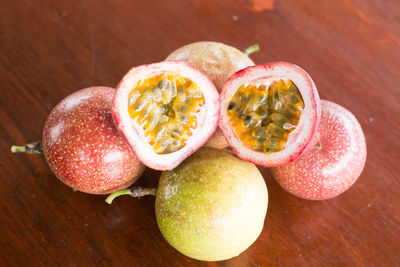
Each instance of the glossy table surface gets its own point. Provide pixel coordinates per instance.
(52, 48)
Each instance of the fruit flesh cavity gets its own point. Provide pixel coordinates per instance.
(166, 106)
(264, 117)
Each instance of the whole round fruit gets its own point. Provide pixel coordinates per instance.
(83, 146)
(212, 207)
(269, 113)
(333, 163)
(166, 111)
(218, 61)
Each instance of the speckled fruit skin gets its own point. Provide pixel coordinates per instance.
(335, 161)
(207, 118)
(300, 138)
(83, 146)
(213, 206)
(218, 61)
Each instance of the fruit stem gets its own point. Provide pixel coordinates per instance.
(133, 192)
(32, 148)
(251, 49)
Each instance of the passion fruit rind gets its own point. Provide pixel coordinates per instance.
(288, 131)
(151, 141)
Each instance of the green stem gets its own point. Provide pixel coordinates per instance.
(111, 197)
(32, 148)
(133, 192)
(252, 49)
(16, 149)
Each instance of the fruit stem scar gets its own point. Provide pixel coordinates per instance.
(251, 49)
(133, 192)
(318, 146)
(32, 148)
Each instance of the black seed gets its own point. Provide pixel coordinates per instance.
(184, 118)
(265, 122)
(260, 132)
(275, 130)
(247, 99)
(182, 109)
(279, 119)
(271, 145)
(293, 89)
(176, 132)
(289, 115)
(164, 84)
(247, 120)
(181, 89)
(291, 109)
(262, 113)
(262, 98)
(294, 99)
(231, 105)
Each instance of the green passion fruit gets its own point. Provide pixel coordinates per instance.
(218, 61)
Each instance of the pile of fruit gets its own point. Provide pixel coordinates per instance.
(204, 117)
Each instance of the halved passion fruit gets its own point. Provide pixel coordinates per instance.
(269, 113)
(166, 111)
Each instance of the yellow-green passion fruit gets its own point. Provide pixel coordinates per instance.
(213, 206)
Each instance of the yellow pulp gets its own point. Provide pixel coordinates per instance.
(166, 106)
(263, 117)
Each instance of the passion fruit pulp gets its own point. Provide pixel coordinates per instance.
(83, 147)
(166, 111)
(212, 207)
(269, 113)
(218, 61)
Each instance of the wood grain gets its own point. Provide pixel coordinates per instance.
(52, 48)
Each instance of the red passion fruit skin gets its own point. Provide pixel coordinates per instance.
(298, 139)
(333, 162)
(207, 118)
(83, 147)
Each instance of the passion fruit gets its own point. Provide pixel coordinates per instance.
(269, 113)
(211, 207)
(333, 163)
(166, 111)
(83, 147)
(218, 61)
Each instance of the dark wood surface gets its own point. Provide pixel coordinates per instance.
(49, 49)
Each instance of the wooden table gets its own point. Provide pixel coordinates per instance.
(52, 48)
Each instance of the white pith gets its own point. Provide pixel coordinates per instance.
(305, 129)
(134, 133)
